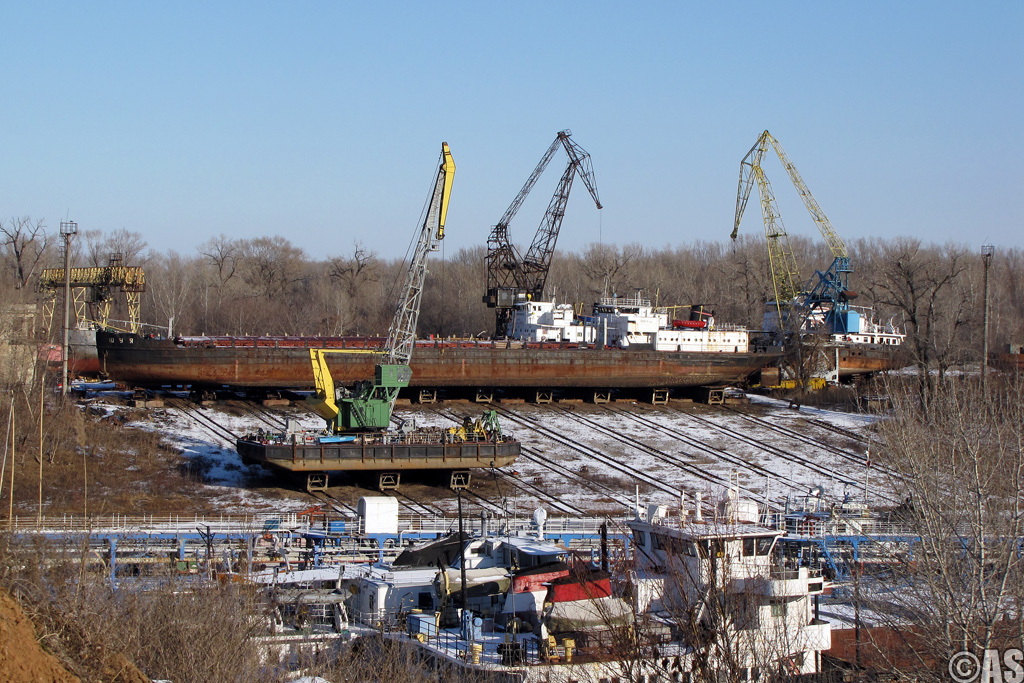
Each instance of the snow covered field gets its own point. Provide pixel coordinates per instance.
(591, 457)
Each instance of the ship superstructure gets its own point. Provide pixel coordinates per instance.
(627, 323)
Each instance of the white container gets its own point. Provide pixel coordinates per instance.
(379, 514)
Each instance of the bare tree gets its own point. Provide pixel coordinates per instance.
(222, 254)
(100, 246)
(270, 265)
(958, 460)
(924, 286)
(24, 245)
(355, 275)
(172, 289)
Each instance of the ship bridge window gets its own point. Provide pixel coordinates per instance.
(639, 538)
(757, 546)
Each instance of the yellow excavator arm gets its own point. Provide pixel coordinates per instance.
(448, 170)
(325, 403)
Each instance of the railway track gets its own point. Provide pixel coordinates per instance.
(325, 498)
(855, 458)
(849, 434)
(719, 453)
(536, 457)
(589, 452)
(657, 453)
(208, 424)
(267, 417)
(793, 434)
(542, 495)
(793, 458)
(424, 508)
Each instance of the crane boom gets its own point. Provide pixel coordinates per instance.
(370, 404)
(510, 275)
(402, 334)
(832, 239)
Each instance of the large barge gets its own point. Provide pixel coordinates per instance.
(284, 363)
(388, 453)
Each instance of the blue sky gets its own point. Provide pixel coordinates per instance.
(322, 122)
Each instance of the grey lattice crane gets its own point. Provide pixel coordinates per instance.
(512, 277)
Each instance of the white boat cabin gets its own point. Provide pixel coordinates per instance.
(621, 322)
(726, 574)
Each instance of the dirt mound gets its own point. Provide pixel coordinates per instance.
(22, 658)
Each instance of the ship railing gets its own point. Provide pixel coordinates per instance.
(853, 527)
(492, 651)
(116, 523)
(555, 526)
(620, 301)
(289, 523)
(781, 573)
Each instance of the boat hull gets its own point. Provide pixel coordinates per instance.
(868, 359)
(284, 363)
(358, 457)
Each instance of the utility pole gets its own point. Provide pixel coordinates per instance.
(462, 565)
(42, 389)
(68, 229)
(986, 255)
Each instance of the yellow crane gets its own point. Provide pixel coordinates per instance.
(831, 285)
(370, 404)
(91, 288)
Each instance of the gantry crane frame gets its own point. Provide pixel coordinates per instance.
(91, 287)
(512, 277)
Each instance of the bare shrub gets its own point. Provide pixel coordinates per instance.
(958, 460)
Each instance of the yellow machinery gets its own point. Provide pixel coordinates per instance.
(91, 291)
(831, 285)
(369, 405)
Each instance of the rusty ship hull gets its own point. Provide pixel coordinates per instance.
(360, 456)
(284, 363)
(867, 359)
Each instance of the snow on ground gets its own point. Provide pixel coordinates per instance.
(227, 480)
(693, 448)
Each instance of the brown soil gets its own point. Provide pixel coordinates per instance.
(22, 658)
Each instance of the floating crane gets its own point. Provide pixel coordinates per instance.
(369, 405)
(828, 291)
(512, 277)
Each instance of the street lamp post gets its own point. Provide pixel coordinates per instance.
(68, 229)
(986, 255)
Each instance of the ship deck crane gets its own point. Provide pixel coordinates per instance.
(369, 405)
(512, 277)
(828, 291)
